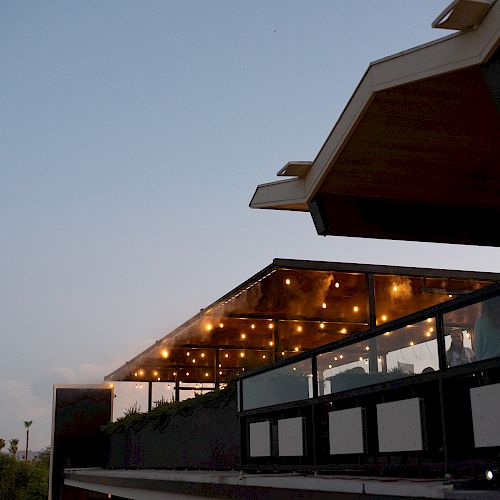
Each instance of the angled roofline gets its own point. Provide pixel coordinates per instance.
(450, 53)
(299, 264)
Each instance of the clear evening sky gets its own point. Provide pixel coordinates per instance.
(132, 137)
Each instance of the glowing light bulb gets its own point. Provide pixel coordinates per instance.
(164, 353)
(221, 325)
(344, 330)
(202, 354)
(329, 366)
(175, 374)
(168, 386)
(412, 343)
(226, 355)
(431, 329)
(322, 325)
(323, 305)
(187, 374)
(384, 317)
(263, 356)
(299, 328)
(111, 386)
(428, 334)
(243, 336)
(429, 320)
(367, 348)
(341, 356)
(335, 358)
(188, 354)
(141, 372)
(337, 285)
(282, 353)
(450, 295)
(209, 327)
(296, 349)
(206, 374)
(271, 343)
(158, 379)
(242, 354)
(135, 374)
(220, 373)
(361, 358)
(194, 360)
(155, 373)
(294, 369)
(395, 288)
(287, 281)
(271, 326)
(252, 326)
(355, 309)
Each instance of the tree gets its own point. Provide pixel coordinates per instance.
(14, 444)
(2, 444)
(27, 425)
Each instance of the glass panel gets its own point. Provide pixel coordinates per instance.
(282, 385)
(399, 353)
(397, 296)
(473, 333)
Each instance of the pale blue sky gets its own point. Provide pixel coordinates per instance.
(132, 137)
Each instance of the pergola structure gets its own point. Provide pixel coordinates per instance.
(415, 155)
(289, 307)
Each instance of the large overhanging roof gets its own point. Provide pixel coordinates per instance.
(415, 154)
(288, 307)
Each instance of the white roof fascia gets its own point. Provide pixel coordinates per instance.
(441, 56)
(281, 194)
(453, 52)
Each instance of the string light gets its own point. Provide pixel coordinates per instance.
(243, 336)
(271, 343)
(194, 360)
(355, 309)
(412, 343)
(252, 326)
(296, 349)
(322, 325)
(384, 317)
(429, 320)
(220, 373)
(141, 372)
(164, 353)
(263, 356)
(361, 358)
(202, 354)
(335, 358)
(323, 305)
(287, 281)
(175, 374)
(337, 285)
(329, 366)
(367, 348)
(188, 354)
(221, 325)
(135, 374)
(242, 354)
(341, 356)
(155, 373)
(271, 326)
(226, 355)
(206, 374)
(299, 328)
(344, 330)
(395, 288)
(282, 353)
(209, 327)
(158, 379)
(187, 374)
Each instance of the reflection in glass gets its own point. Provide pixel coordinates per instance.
(396, 354)
(282, 385)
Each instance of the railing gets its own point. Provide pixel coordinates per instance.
(419, 395)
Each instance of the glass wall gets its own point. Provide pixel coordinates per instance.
(395, 354)
(282, 385)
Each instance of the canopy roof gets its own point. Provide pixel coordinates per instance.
(288, 307)
(415, 154)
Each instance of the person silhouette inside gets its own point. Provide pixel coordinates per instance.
(487, 330)
(457, 354)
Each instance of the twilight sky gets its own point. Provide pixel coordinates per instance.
(132, 137)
